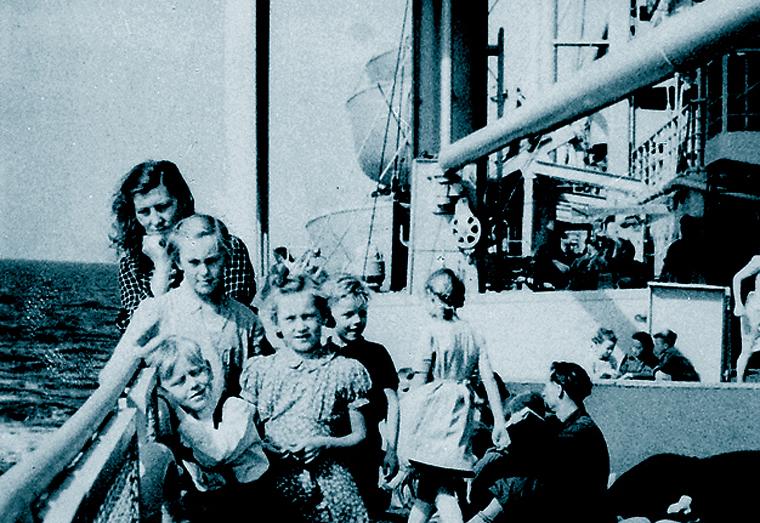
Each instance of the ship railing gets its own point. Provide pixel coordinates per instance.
(89, 469)
(672, 150)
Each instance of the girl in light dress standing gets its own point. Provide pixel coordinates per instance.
(308, 401)
(437, 414)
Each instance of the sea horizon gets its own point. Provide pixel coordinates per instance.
(49, 260)
(57, 329)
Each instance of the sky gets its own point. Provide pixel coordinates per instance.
(89, 88)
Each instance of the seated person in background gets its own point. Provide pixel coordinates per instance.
(606, 355)
(216, 446)
(586, 270)
(672, 365)
(627, 271)
(552, 260)
(522, 461)
(639, 361)
(577, 461)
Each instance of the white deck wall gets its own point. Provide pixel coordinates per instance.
(526, 331)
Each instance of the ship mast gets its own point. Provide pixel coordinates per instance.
(450, 52)
(262, 133)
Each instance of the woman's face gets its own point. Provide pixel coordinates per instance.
(156, 210)
(636, 348)
(552, 392)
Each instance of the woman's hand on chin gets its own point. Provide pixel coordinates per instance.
(154, 247)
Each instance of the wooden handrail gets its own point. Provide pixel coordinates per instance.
(26, 481)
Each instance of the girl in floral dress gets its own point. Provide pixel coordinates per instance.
(437, 414)
(307, 401)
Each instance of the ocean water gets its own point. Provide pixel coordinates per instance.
(56, 332)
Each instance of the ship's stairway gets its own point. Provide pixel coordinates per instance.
(671, 157)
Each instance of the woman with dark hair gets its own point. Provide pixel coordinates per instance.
(639, 361)
(152, 197)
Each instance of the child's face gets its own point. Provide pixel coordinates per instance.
(202, 261)
(299, 321)
(433, 304)
(350, 319)
(189, 384)
(603, 350)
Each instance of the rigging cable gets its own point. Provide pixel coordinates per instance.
(385, 139)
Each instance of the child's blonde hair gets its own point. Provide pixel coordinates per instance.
(347, 286)
(295, 284)
(445, 285)
(195, 227)
(166, 354)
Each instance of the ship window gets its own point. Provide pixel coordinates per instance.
(652, 99)
(714, 88)
(743, 103)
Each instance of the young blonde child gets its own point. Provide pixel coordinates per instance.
(308, 401)
(437, 419)
(216, 444)
(348, 299)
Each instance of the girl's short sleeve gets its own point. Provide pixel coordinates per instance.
(355, 384)
(484, 361)
(250, 379)
(424, 351)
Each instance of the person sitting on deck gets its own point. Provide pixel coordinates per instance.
(530, 429)
(606, 355)
(574, 481)
(639, 361)
(552, 261)
(588, 271)
(672, 364)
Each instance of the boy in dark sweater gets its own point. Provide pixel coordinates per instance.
(348, 299)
